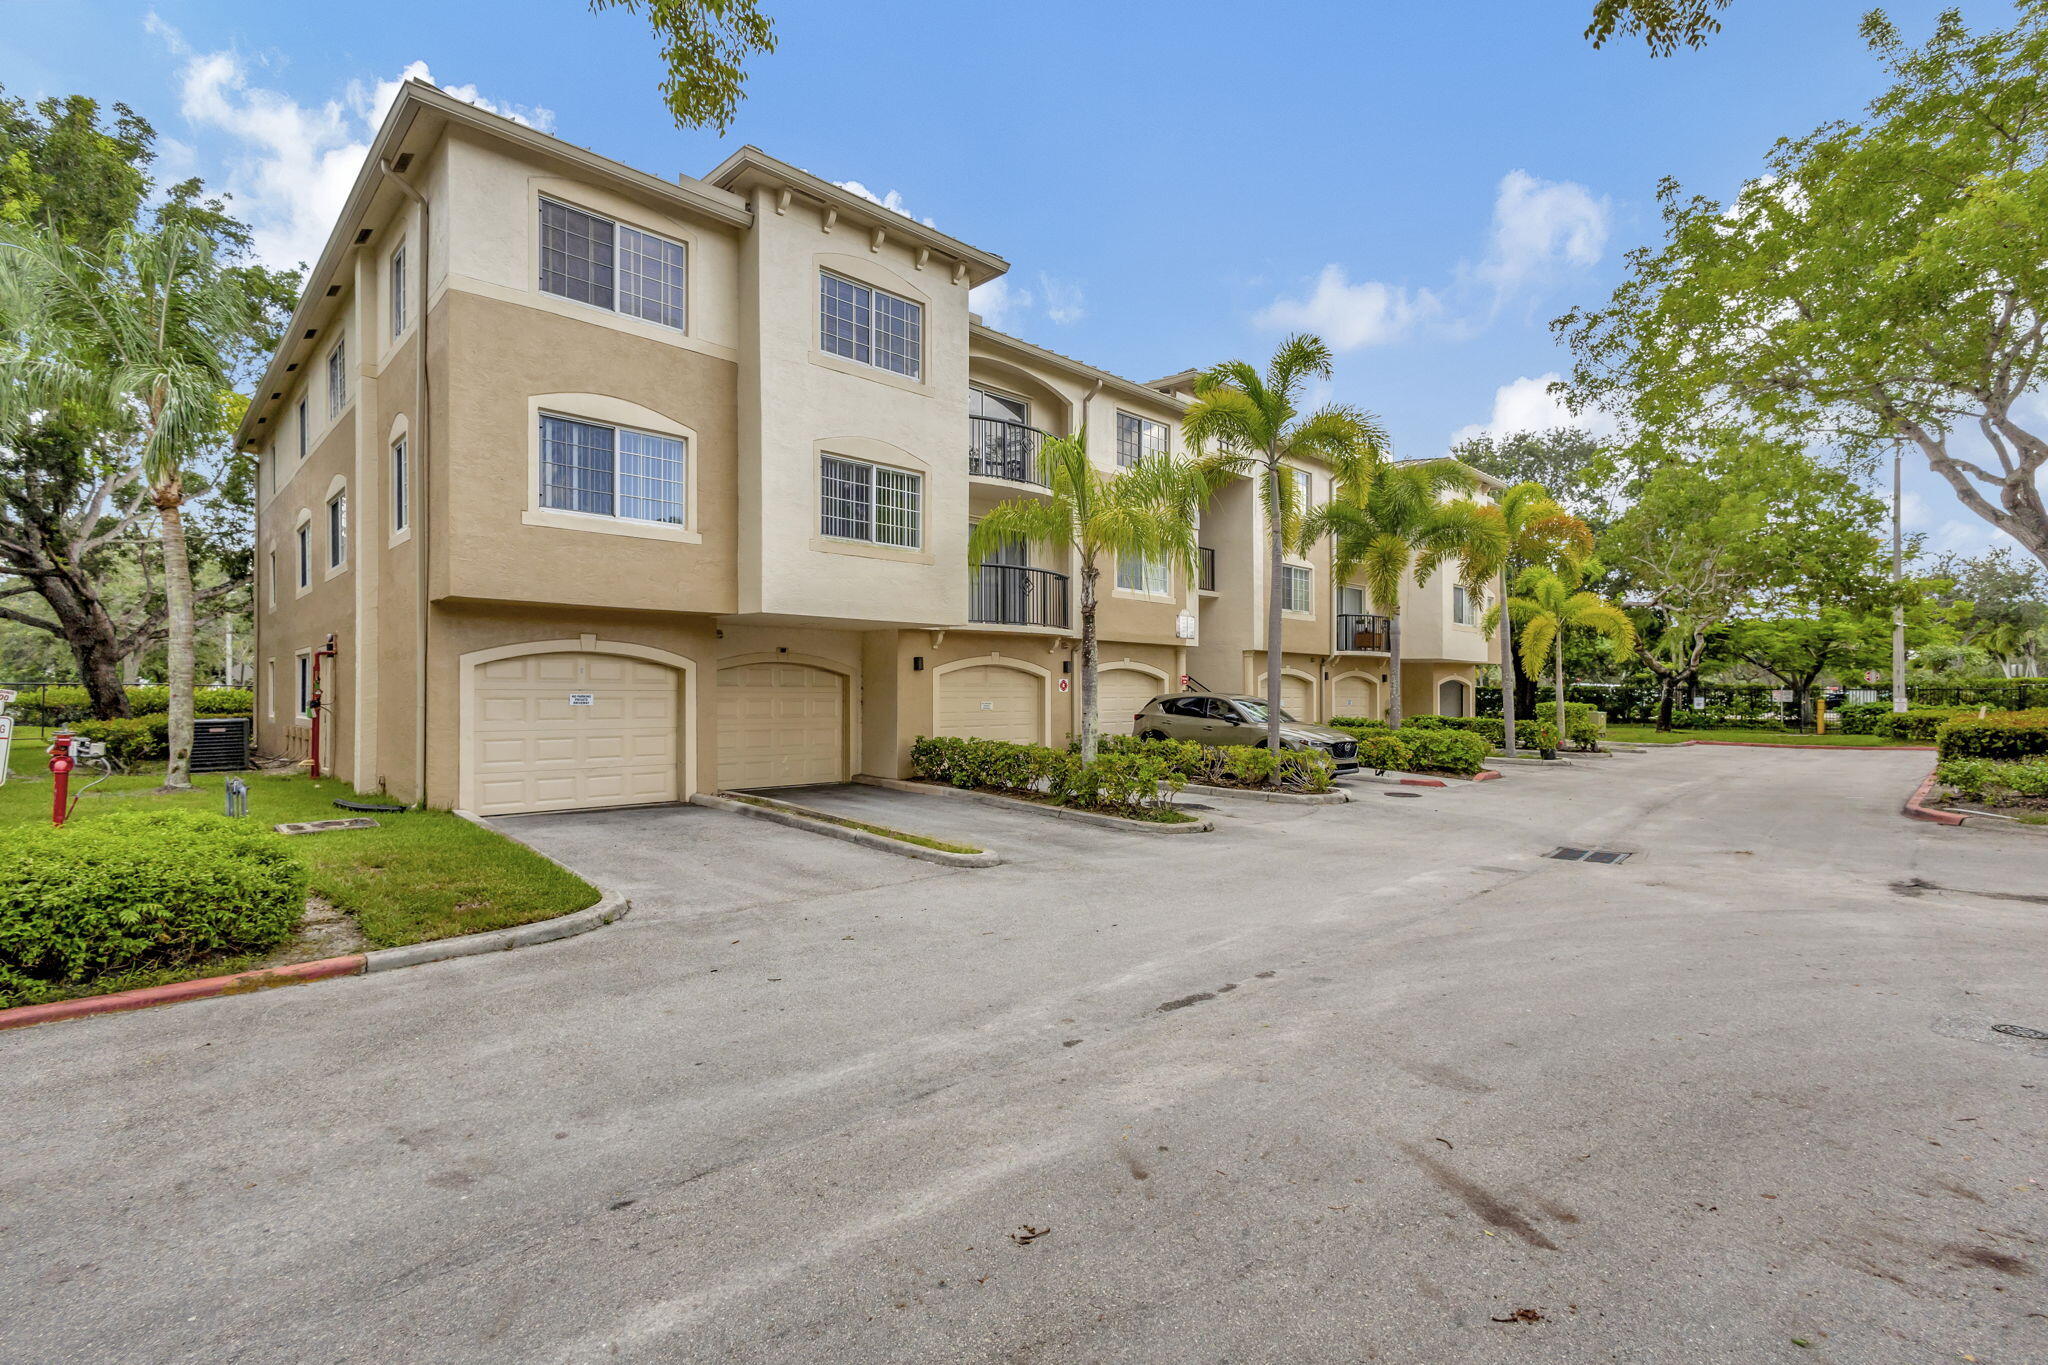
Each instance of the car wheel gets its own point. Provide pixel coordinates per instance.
(1153, 734)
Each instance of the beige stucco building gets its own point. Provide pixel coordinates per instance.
(610, 489)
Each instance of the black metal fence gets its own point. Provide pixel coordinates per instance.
(1001, 449)
(1012, 595)
(1372, 633)
(1636, 702)
(1206, 582)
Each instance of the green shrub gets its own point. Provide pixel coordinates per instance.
(64, 705)
(1118, 780)
(1529, 734)
(1385, 750)
(1581, 722)
(139, 889)
(1916, 724)
(138, 739)
(1988, 779)
(1439, 750)
(1999, 734)
(1360, 725)
(1309, 770)
(1858, 717)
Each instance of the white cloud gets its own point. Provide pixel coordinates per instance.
(1528, 405)
(1350, 316)
(1064, 300)
(289, 165)
(890, 199)
(1539, 228)
(1000, 305)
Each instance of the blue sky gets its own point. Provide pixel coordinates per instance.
(1425, 184)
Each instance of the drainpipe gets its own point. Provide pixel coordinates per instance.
(420, 478)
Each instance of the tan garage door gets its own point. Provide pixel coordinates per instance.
(1356, 696)
(1121, 693)
(992, 702)
(780, 725)
(566, 731)
(1296, 697)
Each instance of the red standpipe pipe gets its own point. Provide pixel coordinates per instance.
(314, 702)
(60, 777)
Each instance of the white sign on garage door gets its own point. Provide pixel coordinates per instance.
(535, 746)
(990, 701)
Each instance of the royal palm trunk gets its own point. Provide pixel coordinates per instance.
(1089, 722)
(1507, 669)
(1394, 668)
(1275, 530)
(178, 602)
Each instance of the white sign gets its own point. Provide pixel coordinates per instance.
(1870, 675)
(582, 699)
(1184, 626)
(1781, 694)
(6, 697)
(988, 706)
(1063, 684)
(6, 740)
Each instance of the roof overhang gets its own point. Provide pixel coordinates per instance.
(979, 331)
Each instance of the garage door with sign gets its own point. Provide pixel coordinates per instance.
(989, 701)
(573, 730)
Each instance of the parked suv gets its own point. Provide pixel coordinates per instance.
(1207, 718)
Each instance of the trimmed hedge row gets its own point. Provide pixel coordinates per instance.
(1529, 734)
(65, 705)
(1432, 744)
(1133, 784)
(140, 889)
(1987, 779)
(1581, 722)
(1998, 734)
(1234, 765)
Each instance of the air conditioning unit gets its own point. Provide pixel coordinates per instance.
(220, 744)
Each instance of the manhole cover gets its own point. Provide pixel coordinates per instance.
(2020, 1031)
(1410, 795)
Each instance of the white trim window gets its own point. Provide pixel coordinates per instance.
(595, 260)
(1297, 588)
(1139, 438)
(337, 379)
(270, 689)
(337, 530)
(1466, 605)
(1304, 490)
(304, 434)
(1141, 573)
(869, 326)
(270, 557)
(305, 538)
(305, 665)
(607, 471)
(397, 269)
(870, 502)
(401, 486)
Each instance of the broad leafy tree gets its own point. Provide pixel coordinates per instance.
(1663, 25)
(1576, 468)
(1147, 511)
(1882, 281)
(705, 46)
(1249, 424)
(1388, 523)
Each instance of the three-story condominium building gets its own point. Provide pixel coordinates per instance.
(582, 487)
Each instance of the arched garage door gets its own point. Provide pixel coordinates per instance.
(572, 730)
(1356, 696)
(1297, 699)
(1120, 693)
(990, 701)
(780, 725)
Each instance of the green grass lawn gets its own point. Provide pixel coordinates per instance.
(1644, 734)
(419, 875)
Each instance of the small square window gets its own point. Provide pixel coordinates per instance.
(1137, 573)
(1138, 438)
(1296, 588)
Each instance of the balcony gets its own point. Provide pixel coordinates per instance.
(1011, 595)
(1363, 634)
(1206, 582)
(1000, 449)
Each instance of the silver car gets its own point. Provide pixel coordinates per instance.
(1207, 718)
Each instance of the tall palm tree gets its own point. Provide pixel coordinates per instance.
(1548, 602)
(1244, 423)
(1145, 510)
(1534, 530)
(1396, 520)
(148, 323)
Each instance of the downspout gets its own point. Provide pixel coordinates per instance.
(420, 478)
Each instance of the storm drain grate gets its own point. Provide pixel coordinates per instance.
(2018, 1031)
(1587, 855)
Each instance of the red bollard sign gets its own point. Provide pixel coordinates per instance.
(60, 774)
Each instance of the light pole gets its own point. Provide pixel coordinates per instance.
(1898, 609)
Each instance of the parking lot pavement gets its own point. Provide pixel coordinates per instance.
(1376, 1081)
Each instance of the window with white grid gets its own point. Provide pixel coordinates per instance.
(870, 326)
(1297, 588)
(874, 503)
(1138, 438)
(609, 471)
(1304, 490)
(337, 379)
(650, 277)
(1140, 573)
(575, 254)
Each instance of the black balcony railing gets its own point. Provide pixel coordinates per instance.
(1011, 595)
(1000, 449)
(1368, 633)
(1207, 582)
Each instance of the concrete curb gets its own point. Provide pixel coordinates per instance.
(1330, 798)
(800, 817)
(239, 983)
(1389, 780)
(610, 906)
(1530, 762)
(1916, 807)
(1086, 817)
(1851, 748)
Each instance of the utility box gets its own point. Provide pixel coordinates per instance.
(220, 744)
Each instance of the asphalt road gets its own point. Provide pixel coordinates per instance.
(1368, 1083)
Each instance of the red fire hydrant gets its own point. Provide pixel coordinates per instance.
(61, 764)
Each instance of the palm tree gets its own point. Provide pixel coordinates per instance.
(1533, 530)
(1548, 602)
(146, 324)
(1247, 424)
(1145, 510)
(1392, 521)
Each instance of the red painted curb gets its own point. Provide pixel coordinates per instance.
(1486, 775)
(1423, 782)
(1852, 748)
(1916, 806)
(295, 974)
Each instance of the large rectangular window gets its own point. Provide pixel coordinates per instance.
(337, 530)
(337, 379)
(401, 486)
(871, 502)
(594, 260)
(611, 471)
(398, 301)
(869, 326)
(1137, 573)
(1138, 438)
(1297, 588)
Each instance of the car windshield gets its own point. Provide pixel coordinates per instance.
(1255, 711)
